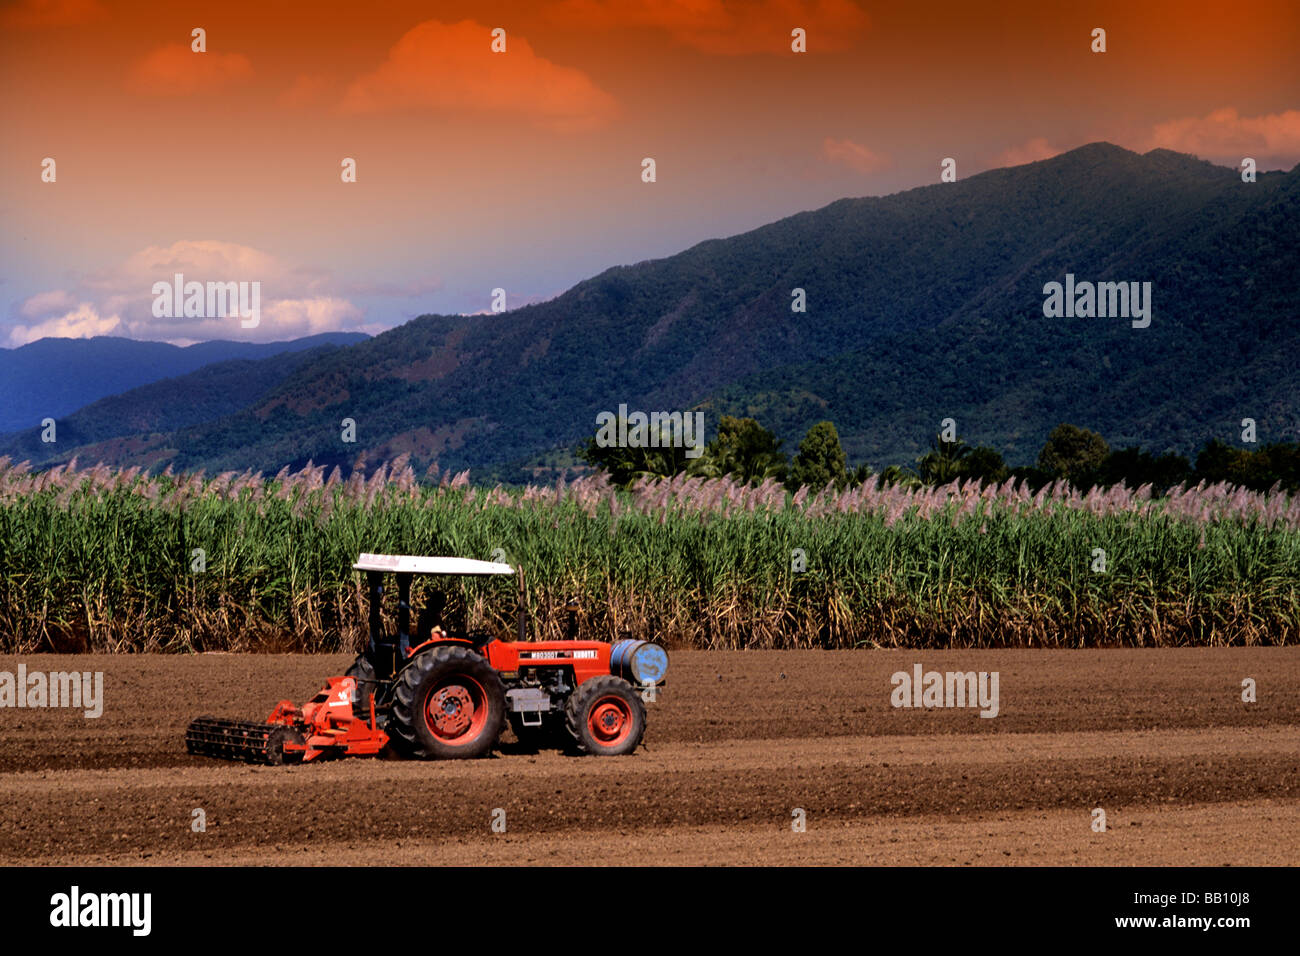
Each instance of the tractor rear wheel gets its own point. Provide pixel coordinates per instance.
(363, 672)
(448, 702)
(605, 716)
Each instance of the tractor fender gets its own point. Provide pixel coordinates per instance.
(438, 642)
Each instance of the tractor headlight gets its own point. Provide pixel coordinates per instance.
(639, 662)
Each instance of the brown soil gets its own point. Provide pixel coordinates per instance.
(1159, 739)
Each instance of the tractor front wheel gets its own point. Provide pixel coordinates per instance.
(605, 716)
(448, 702)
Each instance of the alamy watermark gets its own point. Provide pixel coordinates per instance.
(947, 689)
(211, 300)
(1098, 300)
(76, 909)
(655, 430)
(76, 689)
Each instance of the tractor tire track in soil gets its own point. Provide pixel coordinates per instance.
(1160, 739)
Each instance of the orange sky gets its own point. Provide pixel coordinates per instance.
(522, 170)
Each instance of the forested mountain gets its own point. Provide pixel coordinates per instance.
(924, 305)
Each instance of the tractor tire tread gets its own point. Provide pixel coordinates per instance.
(575, 709)
(363, 672)
(406, 689)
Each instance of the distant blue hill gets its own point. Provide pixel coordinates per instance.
(52, 377)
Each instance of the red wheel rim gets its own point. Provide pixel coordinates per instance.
(610, 720)
(456, 711)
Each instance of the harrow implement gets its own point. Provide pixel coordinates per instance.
(245, 740)
(292, 734)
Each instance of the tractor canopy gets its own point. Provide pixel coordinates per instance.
(405, 567)
(418, 564)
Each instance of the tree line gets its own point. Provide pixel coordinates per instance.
(746, 451)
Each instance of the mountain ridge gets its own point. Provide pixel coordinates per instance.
(53, 377)
(921, 305)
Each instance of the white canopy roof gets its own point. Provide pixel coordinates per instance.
(415, 564)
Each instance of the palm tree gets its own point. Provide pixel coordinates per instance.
(943, 462)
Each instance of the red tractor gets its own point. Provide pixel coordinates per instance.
(431, 694)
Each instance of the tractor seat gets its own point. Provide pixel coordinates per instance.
(422, 636)
(430, 617)
(424, 626)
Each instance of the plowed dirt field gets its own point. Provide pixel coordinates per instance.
(1160, 740)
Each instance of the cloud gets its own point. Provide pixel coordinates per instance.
(51, 13)
(724, 27)
(294, 318)
(1029, 152)
(202, 258)
(46, 303)
(857, 157)
(308, 89)
(176, 70)
(1221, 136)
(83, 322)
(1272, 140)
(445, 67)
(294, 300)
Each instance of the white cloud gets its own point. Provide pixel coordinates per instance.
(294, 300)
(83, 322)
(294, 318)
(46, 303)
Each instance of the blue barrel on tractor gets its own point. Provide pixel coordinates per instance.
(639, 662)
